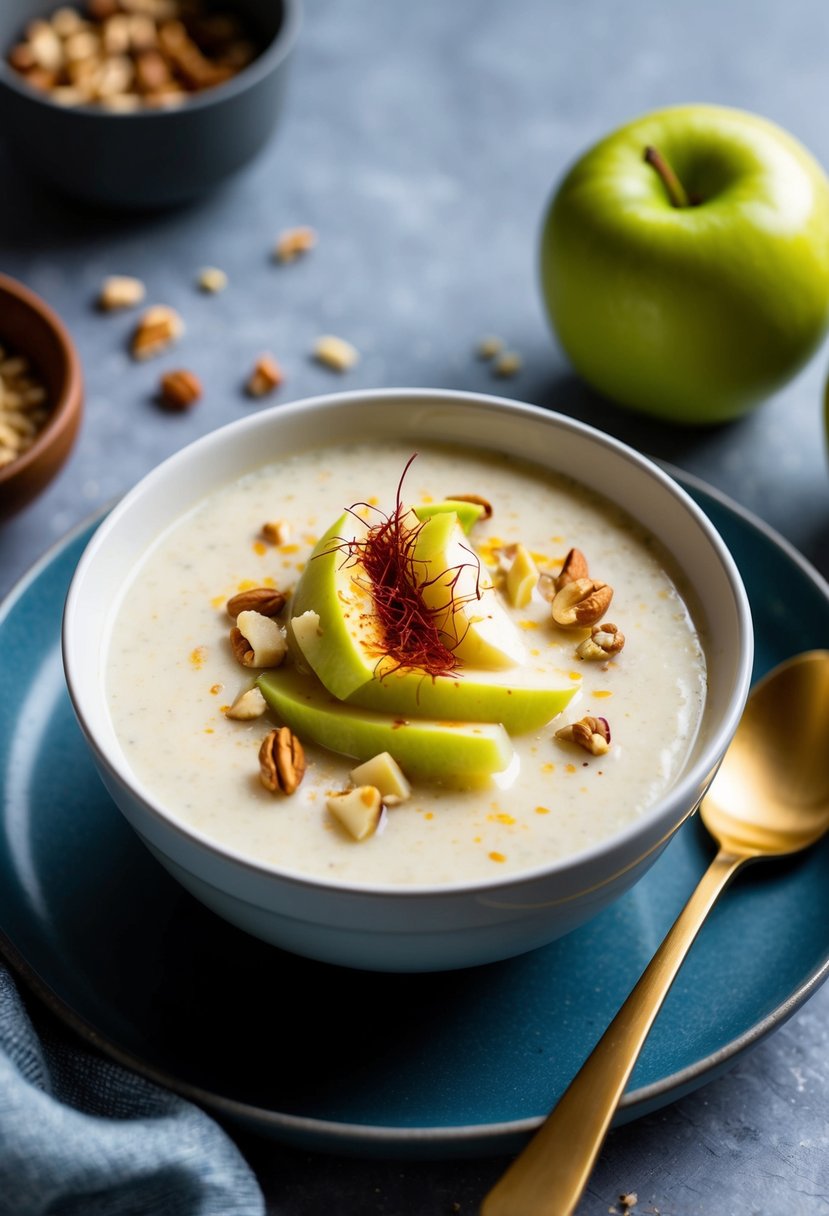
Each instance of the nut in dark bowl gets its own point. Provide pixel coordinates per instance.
(141, 103)
(41, 395)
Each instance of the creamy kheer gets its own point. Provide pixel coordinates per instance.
(172, 674)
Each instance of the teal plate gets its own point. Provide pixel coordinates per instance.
(425, 1065)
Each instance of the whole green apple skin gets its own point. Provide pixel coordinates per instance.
(697, 313)
(450, 752)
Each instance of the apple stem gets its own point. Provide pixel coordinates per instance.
(673, 186)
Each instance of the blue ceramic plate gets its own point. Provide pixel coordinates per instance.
(421, 1065)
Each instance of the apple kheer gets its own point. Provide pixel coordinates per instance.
(630, 714)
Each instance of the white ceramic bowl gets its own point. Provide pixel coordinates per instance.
(419, 928)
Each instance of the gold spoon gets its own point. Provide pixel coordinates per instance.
(769, 798)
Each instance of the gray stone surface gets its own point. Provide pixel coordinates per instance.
(422, 141)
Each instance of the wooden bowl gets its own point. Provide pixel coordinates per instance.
(29, 327)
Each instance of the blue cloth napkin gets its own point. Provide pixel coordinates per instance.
(81, 1136)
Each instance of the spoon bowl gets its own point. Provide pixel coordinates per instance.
(771, 794)
(770, 798)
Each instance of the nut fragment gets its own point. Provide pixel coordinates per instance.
(257, 640)
(336, 353)
(266, 376)
(212, 280)
(24, 407)
(120, 291)
(276, 531)
(575, 566)
(489, 347)
(293, 242)
(605, 640)
(384, 773)
(358, 810)
(266, 600)
(508, 363)
(157, 328)
(592, 734)
(248, 705)
(180, 389)
(581, 603)
(281, 761)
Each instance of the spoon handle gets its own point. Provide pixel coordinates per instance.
(548, 1177)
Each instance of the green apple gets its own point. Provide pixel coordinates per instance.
(685, 262)
(468, 513)
(451, 752)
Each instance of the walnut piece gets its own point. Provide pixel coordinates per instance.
(592, 734)
(276, 531)
(605, 640)
(180, 389)
(266, 600)
(157, 328)
(293, 242)
(281, 761)
(266, 376)
(581, 603)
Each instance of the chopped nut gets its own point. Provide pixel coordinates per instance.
(384, 773)
(489, 347)
(293, 242)
(180, 389)
(281, 761)
(152, 72)
(120, 291)
(358, 810)
(575, 566)
(212, 280)
(593, 734)
(257, 640)
(581, 603)
(477, 499)
(266, 600)
(248, 705)
(156, 330)
(336, 353)
(276, 531)
(23, 408)
(509, 363)
(605, 640)
(266, 376)
(522, 578)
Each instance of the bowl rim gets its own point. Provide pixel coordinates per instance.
(684, 791)
(69, 401)
(276, 51)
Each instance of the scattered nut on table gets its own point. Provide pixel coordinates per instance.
(180, 390)
(266, 376)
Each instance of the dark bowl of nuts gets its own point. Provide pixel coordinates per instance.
(41, 395)
(141, 103)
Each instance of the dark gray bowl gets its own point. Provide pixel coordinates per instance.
(156, 157)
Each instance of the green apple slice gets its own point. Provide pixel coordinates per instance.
(468, 513)
(468, 612)
(449, 752)
(334, 632)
